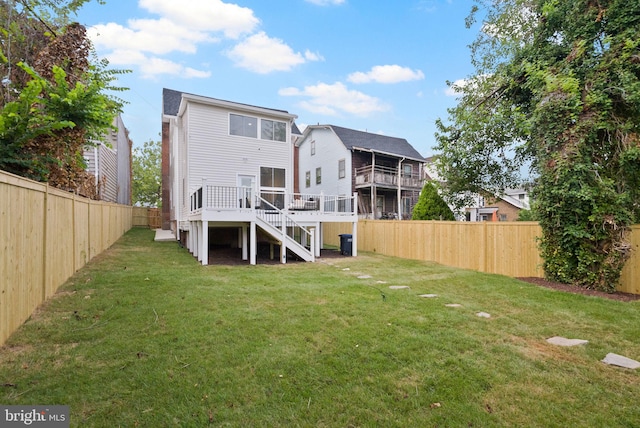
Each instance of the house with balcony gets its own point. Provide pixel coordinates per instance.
(385, 172)
(227, 177)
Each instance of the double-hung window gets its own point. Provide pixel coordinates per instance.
(341, 168)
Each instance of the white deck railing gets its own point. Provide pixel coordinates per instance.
(279, 219)
(368, 175)
(244, 198)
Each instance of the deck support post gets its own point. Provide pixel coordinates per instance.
(253, 244)
(245, 254)
(204, 249)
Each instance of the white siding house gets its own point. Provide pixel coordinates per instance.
(385, 172)
(109, 161)
(230, 165)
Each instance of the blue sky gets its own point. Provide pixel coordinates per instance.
(379, 66)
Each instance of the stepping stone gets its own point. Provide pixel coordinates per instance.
(428, 295)
(453, 305)
(381, 282)
(563, 341)
(620, 361)
(483, 315)
(364, 277)
(346, 269)
(398, 287)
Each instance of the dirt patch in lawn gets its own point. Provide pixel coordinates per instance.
(568, 288)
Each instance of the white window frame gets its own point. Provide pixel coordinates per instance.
(342, 168)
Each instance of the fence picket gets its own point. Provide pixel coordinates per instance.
(505, 248)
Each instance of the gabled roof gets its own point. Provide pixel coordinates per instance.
(171, 101)
(355, 140)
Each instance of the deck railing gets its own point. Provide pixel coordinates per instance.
(381, 175)
(281, 220)
(241, 198)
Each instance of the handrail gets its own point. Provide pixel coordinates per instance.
(243, 198)
(273, 215)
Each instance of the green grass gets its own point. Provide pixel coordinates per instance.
(145, 336)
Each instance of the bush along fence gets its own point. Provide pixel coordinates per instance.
(46, 235)
(505, 248)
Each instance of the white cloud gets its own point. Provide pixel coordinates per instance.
(146, 35)
(313, 56)
(151, 67)
(454, 89)
(332, 99)
(386, 74)
(205, 15)
(262, 54)
(325, 2)
(183, 26)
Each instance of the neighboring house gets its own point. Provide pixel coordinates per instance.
(227, 178)
(499, 208)
(385, 172)
(109, 161)
(486, 207)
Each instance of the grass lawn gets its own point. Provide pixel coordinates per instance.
(145, 336)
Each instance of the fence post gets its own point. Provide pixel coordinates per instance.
(44, 242)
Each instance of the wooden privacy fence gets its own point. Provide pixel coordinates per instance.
(147, 217)
(45, 236)
(505, 248)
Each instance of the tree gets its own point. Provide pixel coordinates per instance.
(147, 180)
(557, 85)
(431, 206)
(54, 98)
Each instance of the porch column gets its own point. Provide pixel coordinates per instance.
(196, 240)
(283, 244)
(316, 237)
(400, 190)
(354, 239)
(204, 250)
(245, 255)
(253, 244)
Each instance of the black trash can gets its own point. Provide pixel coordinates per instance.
(346, 243)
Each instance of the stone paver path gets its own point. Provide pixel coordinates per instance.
(483, 315)
(620, 361)
(398, 287)
(563, 341)
(428, 295)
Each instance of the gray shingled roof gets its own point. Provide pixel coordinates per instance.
(380, 143)
(171, 102)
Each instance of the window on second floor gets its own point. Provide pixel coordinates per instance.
(307, 179)
(318, 175)
(273, 130)
(342, 169)
(407, 170)
(244, 126)
(313, 147)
